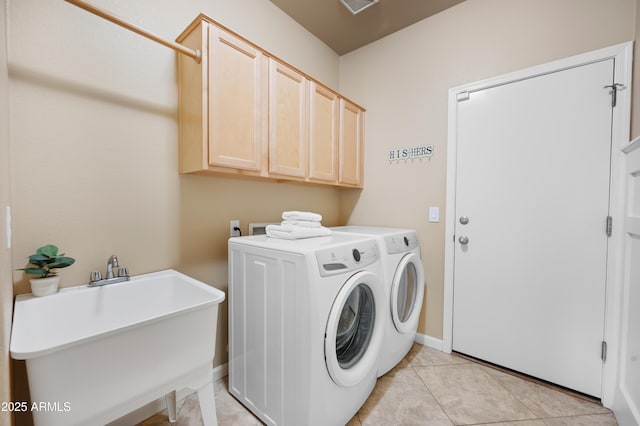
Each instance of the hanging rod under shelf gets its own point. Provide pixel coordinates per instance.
(195, 54)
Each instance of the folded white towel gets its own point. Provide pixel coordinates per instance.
(303, 223)
(308, 216)
(289, 232)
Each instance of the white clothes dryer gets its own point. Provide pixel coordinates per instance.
(306, 322)
(403, 275)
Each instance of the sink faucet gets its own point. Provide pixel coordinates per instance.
(111, 263)
(111, 276)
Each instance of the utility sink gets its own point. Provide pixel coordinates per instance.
(94, 354)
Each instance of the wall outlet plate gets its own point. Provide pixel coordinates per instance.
(234, 224)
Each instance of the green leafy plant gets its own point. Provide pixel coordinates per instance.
(46, 260)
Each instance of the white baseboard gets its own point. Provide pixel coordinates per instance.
(429, 341)
(159, 404)
(220, 371)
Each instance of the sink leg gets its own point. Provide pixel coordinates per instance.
(207, 401)
(170, 399)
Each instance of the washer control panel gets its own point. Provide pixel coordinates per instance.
(401, 243)
(338, 260)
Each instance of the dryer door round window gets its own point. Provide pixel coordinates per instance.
(407, 291)
(354, 329)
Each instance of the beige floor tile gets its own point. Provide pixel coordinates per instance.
(423, 355)
(592, 420)
(544, 401)
(188, 414)
(155, 420)
(228, 410)
(457, 391)
(400, 398)
(518, 423)
(404, 363)
(469, 395)
(355, 421)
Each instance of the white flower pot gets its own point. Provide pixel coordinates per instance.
(44, 286)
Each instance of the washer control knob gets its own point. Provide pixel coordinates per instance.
(406, 241)
(356, 255)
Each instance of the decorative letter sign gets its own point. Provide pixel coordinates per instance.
(411, 152)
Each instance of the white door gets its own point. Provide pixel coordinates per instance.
(532, 198)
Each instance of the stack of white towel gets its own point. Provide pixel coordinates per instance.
(296, 225)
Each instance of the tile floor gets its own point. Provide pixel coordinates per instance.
(432, 388)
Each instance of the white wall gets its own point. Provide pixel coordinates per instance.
(403, 81)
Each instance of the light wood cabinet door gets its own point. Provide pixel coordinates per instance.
(288, 120)
(237, 102)
(323, 134)
(351, 143)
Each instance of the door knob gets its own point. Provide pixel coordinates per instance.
(464, 240)
(464, 220)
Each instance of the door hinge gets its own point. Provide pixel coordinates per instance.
(614, 92)
(462, 96)
(609, 225)
(603, 351)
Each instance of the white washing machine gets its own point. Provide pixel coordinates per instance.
(403, 275)
(306, 322)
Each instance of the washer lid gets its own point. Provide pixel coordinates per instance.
(355, 329)
(407, 292)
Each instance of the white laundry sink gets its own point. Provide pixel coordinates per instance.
(94, 354)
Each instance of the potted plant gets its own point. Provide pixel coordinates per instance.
(45, 261)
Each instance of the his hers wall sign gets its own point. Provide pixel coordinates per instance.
(410, 152)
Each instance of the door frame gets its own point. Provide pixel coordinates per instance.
(620, 133)
(627, 409)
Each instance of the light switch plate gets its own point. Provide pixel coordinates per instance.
(434, 214)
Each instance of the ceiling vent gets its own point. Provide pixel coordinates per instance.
(356, 6)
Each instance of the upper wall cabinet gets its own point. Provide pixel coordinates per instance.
(288, 120)
(243, 111)
(351, 137)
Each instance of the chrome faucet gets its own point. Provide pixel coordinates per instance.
(111, 263)
(111, 277)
